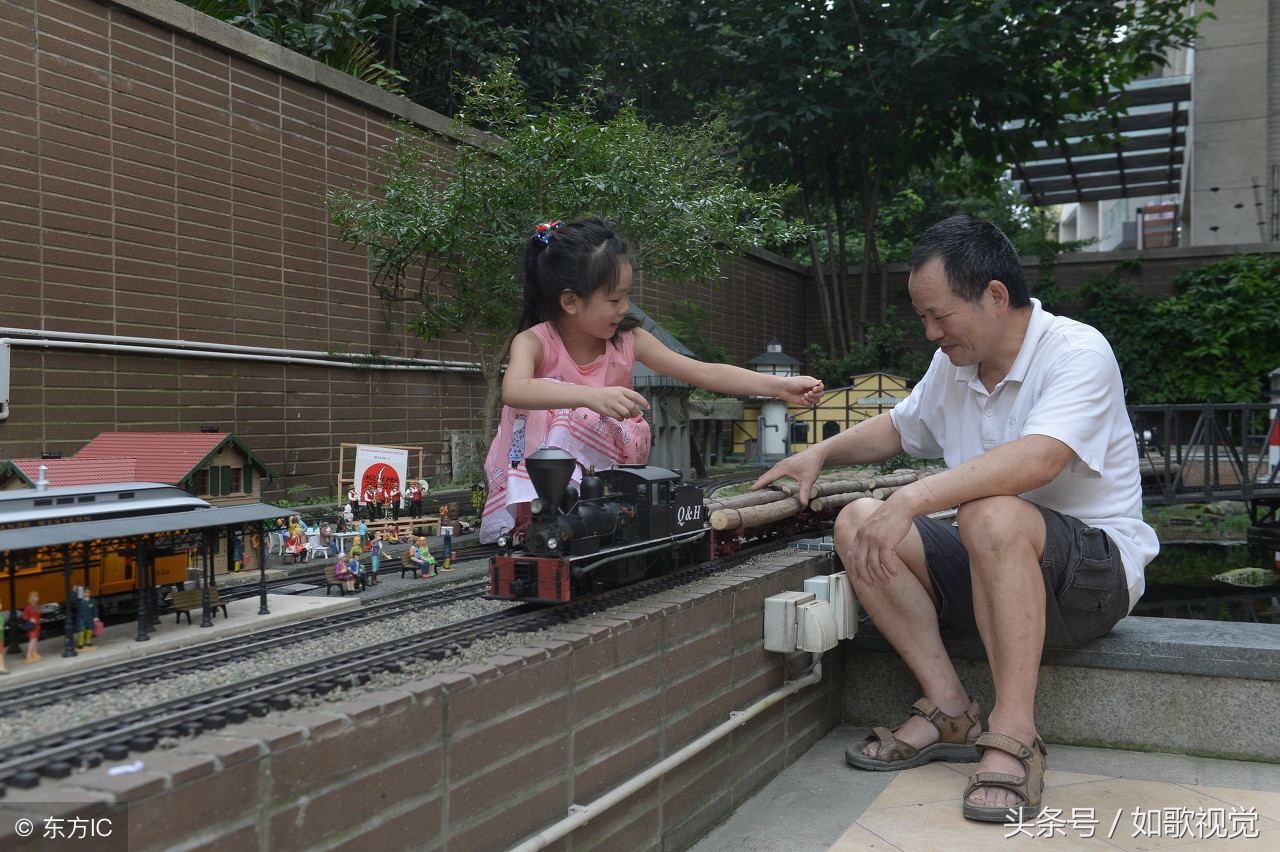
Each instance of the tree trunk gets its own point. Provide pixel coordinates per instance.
(819, 277)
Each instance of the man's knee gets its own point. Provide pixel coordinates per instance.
(850, 518)
(997, 523)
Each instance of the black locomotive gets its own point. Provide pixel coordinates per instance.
(620, 526)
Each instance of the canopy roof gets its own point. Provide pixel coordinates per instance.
(1147, 160)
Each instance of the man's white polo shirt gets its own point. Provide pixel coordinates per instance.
(1065, 384)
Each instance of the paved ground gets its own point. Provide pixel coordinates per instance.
(1100, 799)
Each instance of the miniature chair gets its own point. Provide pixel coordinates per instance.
(314, 546)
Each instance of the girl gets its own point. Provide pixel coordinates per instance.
(568, 382)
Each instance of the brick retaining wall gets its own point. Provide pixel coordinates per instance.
(486, 755)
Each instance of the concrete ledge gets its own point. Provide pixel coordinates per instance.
(1153, 684)
(1171, 645)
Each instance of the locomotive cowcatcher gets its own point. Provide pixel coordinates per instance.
(621, 526)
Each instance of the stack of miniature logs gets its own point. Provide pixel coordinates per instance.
(778, 502)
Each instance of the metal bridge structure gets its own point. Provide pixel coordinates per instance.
(1194, 453)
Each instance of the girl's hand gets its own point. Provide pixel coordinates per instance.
(801, 390)
(617, 402)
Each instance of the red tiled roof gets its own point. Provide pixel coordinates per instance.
(63, 472)
(160, 456)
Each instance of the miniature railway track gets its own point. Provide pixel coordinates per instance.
(194, 658)
(58, 754)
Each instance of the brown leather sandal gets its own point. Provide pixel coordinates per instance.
(954, 744)
(1030, 786)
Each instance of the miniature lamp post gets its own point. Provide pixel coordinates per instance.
(771, 425)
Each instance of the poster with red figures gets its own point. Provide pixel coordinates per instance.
(380, 467)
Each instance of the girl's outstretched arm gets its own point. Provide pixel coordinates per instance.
(521, 390)
(723, 378)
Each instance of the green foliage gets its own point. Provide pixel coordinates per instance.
(849, 99)
(445, 229)
(890, 347)
(1216, 341)
(343, 34)
(1227, 316)
(685, 324)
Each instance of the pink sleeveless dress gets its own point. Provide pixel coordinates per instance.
(602, 442)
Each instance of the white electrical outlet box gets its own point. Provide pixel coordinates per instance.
(816, 627)
(780, 620)
(836, 590)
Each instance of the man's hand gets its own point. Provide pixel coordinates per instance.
(803, 467)
(872, 553)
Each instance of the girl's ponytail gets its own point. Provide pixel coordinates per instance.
(533, 308)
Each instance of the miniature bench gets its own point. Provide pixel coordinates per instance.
(407, 565)
(186, 600)
(429, 524)
(331, 579)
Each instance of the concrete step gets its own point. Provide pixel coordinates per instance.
(1153, 684)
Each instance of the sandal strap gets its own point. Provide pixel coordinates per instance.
(891, 748)
(1006, 744)
(999, 779)
(951, 729)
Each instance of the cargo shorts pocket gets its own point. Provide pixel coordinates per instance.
(1093, 597)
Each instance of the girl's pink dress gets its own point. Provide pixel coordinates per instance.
(594, 440)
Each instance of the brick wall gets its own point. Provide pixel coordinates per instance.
(164, 180)
(491, 753)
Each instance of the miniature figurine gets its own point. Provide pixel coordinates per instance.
(376, 549)
(31, 617)
(86, 614)
(4, 619)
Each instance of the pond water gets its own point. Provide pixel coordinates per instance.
(1181, 584)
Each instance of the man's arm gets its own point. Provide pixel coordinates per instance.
(870, 441)
(1009, 469)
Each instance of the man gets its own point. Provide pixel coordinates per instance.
(1027, 410)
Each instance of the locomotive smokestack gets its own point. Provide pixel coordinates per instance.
(550, 471)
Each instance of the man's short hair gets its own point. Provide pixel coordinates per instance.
(973, 252)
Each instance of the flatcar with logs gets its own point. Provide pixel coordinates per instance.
(638, 521)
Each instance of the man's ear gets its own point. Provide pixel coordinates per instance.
(999, 295)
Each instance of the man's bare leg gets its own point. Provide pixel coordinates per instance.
(1005, 538)
(905, 614)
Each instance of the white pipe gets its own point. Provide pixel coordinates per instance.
(246, 353)
(581, 814)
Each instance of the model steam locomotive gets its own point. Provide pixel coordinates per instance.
(620, 526)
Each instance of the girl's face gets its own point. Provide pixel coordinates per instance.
(600, 313)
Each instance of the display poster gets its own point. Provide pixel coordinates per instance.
(379, 466)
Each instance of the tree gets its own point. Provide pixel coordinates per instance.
(343, 34)
(847, 98)
(445, 229)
